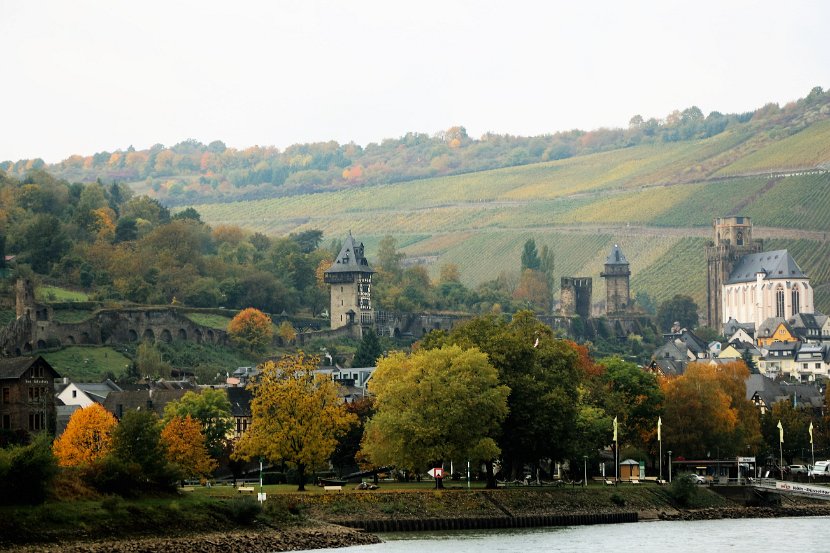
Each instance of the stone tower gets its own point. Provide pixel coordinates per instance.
(616, 275)
(575, 297)
(350, 277)
(24, 298)
(732, 239)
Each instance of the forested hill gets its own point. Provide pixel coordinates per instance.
(191, 172)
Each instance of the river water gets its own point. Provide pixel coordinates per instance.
(796, 535)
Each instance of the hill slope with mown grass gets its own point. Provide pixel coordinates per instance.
(578, 207)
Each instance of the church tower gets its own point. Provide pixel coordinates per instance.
(732, 239)
(616, 275)
(350, 277)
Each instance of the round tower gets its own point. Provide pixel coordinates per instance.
(617, 287)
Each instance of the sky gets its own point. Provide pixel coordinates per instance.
(88, 76)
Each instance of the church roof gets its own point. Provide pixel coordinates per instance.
(777, 264)
(616, 257)
(350, 259)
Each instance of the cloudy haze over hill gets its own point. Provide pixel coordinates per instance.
(91, 76)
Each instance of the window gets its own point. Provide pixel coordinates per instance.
(818, 365)
(74, 393)
(794, 298)
(7, 422)
(740, 238)
(6, 394)
(779, 302)
(36, 421)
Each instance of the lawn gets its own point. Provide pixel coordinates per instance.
(209, 320)
(88, 363)
(55, 293)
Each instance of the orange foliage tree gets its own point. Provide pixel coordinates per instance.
(251, 328)
(185, 446)
(706, 410)
(87, 438)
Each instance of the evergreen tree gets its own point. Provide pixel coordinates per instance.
(368, 351)
(750, 362)
(530, 256)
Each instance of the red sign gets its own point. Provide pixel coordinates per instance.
(437, 472)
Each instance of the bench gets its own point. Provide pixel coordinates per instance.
(246, 489)
(333, 488)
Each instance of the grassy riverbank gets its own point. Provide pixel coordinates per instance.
(218, 518)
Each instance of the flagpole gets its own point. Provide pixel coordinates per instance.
(781, 448)
(616, 454)
(660, 443)
(812, 450)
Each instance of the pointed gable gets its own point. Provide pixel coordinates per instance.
(351, 259)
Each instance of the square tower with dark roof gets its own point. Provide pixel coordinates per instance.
(732, 239)
(350, 277)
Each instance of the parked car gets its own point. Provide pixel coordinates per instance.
(696, 478)
(799, 469)
(821, 468)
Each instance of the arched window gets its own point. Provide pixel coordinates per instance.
(795, 298)
(779, 302)
(740, 238)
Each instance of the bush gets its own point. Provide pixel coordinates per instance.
(618, 500)
(27, 471)
(243, 510)
(682, 490)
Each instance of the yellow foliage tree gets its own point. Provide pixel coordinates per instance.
(88, 437)
(186, 447)
(296, 416)
(287, 332)
(251, 328)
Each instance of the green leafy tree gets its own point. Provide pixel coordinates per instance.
(542, 373)
(435, 405)
(213, 411)
(297, 417)
(137, 446)
(681, 309)
(368, 351)
(149, 361)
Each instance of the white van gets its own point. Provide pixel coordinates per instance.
(821, 468)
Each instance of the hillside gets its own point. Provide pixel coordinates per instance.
(578, 207)
(653, 188)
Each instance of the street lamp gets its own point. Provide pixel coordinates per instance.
(670, 466)
(585, 479)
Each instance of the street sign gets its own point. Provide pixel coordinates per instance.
(746, 459)
(437, 472)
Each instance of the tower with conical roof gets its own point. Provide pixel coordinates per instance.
(350, 277)
(616, 274)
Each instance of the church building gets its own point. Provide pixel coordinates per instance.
(749, 285)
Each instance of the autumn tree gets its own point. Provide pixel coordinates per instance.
(435, 405)
(706, 410)
(87, 438)
(211, 409)
(251, 329)
(286, 332)
(185, 447)
(297, 416)
(533, 290)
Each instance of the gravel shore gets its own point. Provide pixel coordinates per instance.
(254, 541)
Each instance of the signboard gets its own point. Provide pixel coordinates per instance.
(803, 489)
(437, 472)
(261, 496)
(746, 459)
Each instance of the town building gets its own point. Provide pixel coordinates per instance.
(27, 399)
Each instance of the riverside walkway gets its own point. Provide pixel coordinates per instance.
(791, 488)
